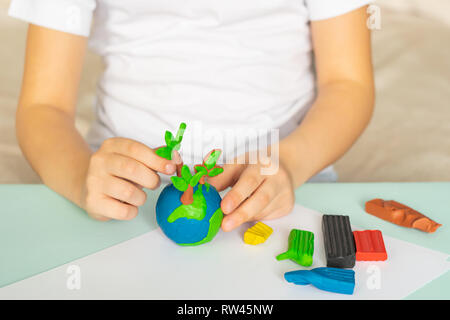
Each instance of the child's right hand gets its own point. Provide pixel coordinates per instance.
(116, 174)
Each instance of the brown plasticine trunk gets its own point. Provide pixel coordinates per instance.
(188, 196)
(179, 166)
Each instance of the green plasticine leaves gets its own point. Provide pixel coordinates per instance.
(179, 183)
(210, 162)
(171, 143)
(196, 178)
(179, 136)
(200, 168)
(186, 173)
(164, 152)
(182, 183)
(168, 137)
(209, 168)
(214, 172)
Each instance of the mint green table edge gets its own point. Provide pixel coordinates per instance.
(40, 230)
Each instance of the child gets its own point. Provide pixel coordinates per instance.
(303, 67)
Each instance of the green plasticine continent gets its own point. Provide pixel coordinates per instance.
(300, 247)
(195, 210)
(214, 225)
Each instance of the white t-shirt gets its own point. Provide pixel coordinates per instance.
(221, 66)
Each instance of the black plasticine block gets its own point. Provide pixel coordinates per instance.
(339, 243)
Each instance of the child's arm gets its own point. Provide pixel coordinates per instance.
(339, 115)
(106, 183)
(346, 95)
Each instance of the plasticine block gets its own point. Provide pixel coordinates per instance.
(257, 234)
(327, 279)
(369, 245)
(401, 215)
(338, 241)
(300, 247)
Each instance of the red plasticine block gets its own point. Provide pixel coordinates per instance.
(369, 245)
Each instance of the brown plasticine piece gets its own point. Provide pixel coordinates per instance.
(400, 214)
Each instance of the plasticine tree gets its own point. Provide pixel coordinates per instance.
(186, 212)
(187, 181)
(209, 168)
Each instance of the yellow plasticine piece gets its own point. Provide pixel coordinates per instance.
(257, 234)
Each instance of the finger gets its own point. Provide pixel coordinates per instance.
(219, 182)
(132, 170)
(176, 157)
(98, 217)
(251, 207)
(227, 178)
(124, 191)
(114, 209)
(140, 152)
(209, 153)
(280, 206)
(248, 182)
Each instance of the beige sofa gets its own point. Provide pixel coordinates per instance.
(407, 140)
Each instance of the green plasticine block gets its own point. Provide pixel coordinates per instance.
(300, 247)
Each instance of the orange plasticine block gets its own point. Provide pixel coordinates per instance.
(257, 234)
(401, 215)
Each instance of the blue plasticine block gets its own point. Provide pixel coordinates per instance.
(327, 279)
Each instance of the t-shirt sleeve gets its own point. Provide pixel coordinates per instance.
(71, 16)
(325, 9)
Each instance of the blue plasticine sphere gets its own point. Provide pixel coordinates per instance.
(192, 224)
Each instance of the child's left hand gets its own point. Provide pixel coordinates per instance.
(254, 196)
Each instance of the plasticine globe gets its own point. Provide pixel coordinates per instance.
(193, 224)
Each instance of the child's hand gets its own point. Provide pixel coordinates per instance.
(253, 196)
(116, 175)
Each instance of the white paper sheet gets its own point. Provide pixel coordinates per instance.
(152, 267)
